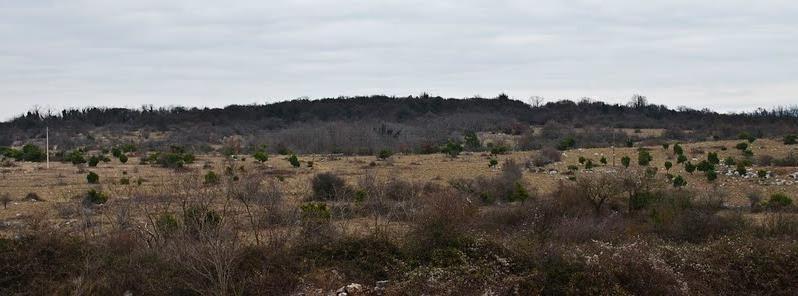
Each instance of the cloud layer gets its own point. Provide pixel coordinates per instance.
(725, 55)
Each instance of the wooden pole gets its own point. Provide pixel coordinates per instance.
(48, 146)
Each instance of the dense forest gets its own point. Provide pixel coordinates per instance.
(364, 124)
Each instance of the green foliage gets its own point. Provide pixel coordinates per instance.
(211, 178)
(493, 163)
(384, 154)
(75, 157)
(678, 149)
(741, 169)
(582, 160)
(199, 218)
(603, 160)
(746, 136)
(644, 157)
(681, 158)
(123, 158)
(589, 164)
(93, 161)
(472, 142)
(452, 149)
(93, 178)
(625, 161)
(630, 143)
(124, 181)
(499, 149)
(705, 166)
(116, 152)
(790, 139)
(261, 156)
(762, 173)
(668, 165)
(566, 144)
(712, 157)
(29, 152)
(294, 161)
(167, 224)
(519, 193)
(666, 146)
(779, 200)
(315, 211)
(96, 197)
(679, 182)
(741, 146)
(689, 167)
(711, 175)
(175, 159)
(748, 153)
(729, 161)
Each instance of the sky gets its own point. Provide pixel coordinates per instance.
(724, 55)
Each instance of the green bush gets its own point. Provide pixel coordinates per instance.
(93, 161)
(471, 141)
(566, 144)
(705, 166)
(729, 161)
(681, 158)
(712, 158)
(668, 165)
(211, 178)
(679, 181)
(644, 157)
(625, 161)
(742, 146)
(452, 149)
(790, 139)
(294, 161)
(603, 160)
(689, 167)
(678, 149)
(493, 163)
(123, 158)
(75, 157)
(261, 156)
(711, 175)
(762, 173)
(93, 178)
(384, 154)
(779, 200)
(96, 197)
(742, 170)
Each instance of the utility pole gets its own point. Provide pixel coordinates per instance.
(47, 132)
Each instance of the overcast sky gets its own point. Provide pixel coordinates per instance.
(726, 55)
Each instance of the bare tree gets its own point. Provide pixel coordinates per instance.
(597, 189)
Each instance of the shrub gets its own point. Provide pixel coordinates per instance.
(546, 156)
(705, 166)
(625, 161)
(678, 149)
(75, 157)
(32, 153)
(762, 173)
(93, 178)
(519, 193)
(603, 160)
(328, 186)
(493, 163)
(499, 149)
(261, 156)
(711, 175)
(116, 152)
(644, 157)
(742, 170)
(200, 219)
(679, 182)
(96, 197)
(384, 154)
(712, 158)
(668, 165)
(93, 161)
(123, 158)
(452, 149)
(566, 144)
(779, 201)
(790, 160)
(681, 158)
(294, 160)
(741, 146)
(211, 178)
(666, 146)
(748, 153)
(689, 167)
(729, 161)
(582, 160)
(790, 139)
(472, 142)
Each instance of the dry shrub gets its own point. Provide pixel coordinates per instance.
(545, 156)
(442, 222)
(507, 187)
(329, 186)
